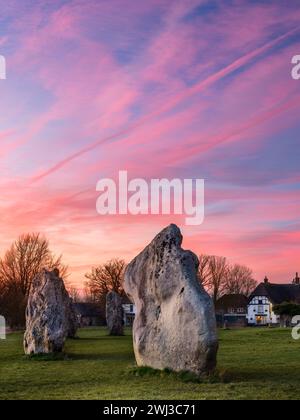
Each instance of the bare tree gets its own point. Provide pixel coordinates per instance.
(239, 280)
(20, 264)
(73, 293)
(218, 267)
(213, 274)
(204, 272)
(104, 278)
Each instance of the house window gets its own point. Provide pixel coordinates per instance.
(131, 308)
(260, 309)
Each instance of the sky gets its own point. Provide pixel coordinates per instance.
(162, 89)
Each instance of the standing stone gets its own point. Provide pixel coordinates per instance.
(70, 311)
(175, 324)
(71, 315)
(2, 328)
(50, 316)
(114, 314)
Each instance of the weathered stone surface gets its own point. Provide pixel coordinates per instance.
(2, 328)
(175, 325)
(114, 314)
(50, 316)
(71, 315)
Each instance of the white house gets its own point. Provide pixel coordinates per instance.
(129, 311)
(265, 296)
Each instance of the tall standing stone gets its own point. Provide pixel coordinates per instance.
(2, 328)
(50, 316)
(70, 311)
(114, 314)
(72, 318)
(175, 324)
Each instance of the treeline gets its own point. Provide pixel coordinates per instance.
(31, 253)
(219, 277)
(216, 274)
(26, 257)
(102, 279)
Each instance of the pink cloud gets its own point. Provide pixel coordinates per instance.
(187, 88)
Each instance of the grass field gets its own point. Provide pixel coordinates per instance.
(253, 364)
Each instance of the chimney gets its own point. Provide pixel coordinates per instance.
(266, 280)
(297, 279)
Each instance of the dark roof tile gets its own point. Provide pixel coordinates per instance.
(278, 293)
(231, 301)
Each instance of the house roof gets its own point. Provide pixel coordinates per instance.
(126, 300)
(231, 301)
(278, 293)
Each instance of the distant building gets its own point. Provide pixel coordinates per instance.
(266, 295)
(129, 311)
(231, 310)
(89, 314)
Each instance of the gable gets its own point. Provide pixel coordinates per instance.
(259, 300)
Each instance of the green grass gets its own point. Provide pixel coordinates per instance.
(254, 363)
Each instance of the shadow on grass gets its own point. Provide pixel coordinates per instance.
(217, 376)
(100, 356)
(265, 375)
(58, 357)
(50, 357)
(103, 338)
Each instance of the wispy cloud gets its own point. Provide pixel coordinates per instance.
(161, 89)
